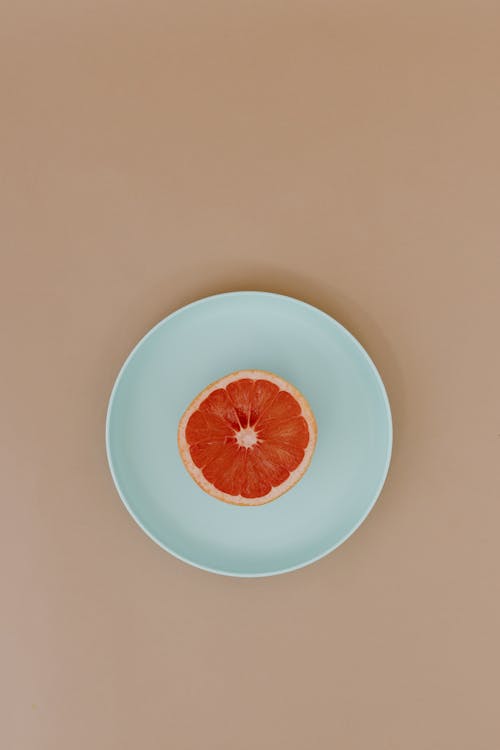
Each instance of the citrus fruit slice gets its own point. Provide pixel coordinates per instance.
(247, 438)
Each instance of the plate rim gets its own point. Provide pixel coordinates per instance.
(388, 415)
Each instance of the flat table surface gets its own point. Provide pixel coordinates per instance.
(345, 153)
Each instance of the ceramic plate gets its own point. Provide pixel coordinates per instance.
(200, 343)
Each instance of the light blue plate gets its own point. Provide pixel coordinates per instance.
(199, 344)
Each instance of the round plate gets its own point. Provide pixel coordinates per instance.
(200, 343)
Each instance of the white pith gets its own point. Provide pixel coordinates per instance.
(246, 437)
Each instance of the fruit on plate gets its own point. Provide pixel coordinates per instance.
(247, 438)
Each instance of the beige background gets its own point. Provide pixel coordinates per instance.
(343, 152)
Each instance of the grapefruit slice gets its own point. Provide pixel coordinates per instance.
(247, 438)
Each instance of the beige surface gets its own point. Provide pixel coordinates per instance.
(343, 152)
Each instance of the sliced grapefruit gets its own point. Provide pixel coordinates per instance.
(247, 438)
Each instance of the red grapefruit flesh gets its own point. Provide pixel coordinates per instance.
(247, 438)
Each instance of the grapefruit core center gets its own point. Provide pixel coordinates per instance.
(247, 438)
